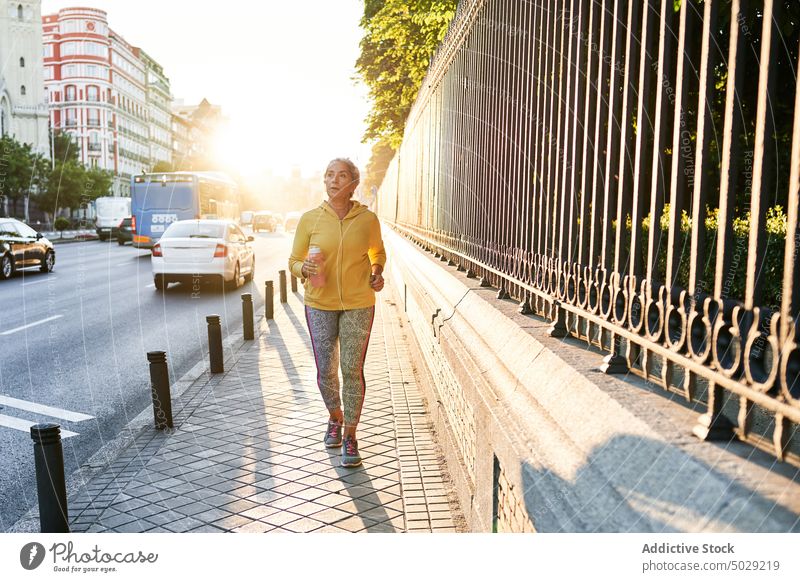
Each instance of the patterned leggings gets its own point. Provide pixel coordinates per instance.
(349, 329)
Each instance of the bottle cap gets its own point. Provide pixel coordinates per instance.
(314, 250)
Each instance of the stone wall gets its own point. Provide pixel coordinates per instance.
(538, 439)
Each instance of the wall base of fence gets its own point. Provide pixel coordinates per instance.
(537, 438)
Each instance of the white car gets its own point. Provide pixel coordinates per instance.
(190, 250)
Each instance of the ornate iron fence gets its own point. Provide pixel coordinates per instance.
(630, 170)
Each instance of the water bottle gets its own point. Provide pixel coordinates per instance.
(315, 255)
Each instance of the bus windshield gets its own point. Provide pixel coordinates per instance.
(154, 196)
(158, 200)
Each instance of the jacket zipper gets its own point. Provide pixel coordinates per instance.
(341, 254)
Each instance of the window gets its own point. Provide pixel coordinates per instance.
(25, 230)
(69, 71)
(69, 93)
(48, 51)
(94, 117)
(19, 12)
(22, 62)
(22, 90)
(92, 93)
(7, 229)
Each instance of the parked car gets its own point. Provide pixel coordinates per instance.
(125, 231)
(291, 221)
(192, 250)
(22, 247)
(110, 210)
(264, 221)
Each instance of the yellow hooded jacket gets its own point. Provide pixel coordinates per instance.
(350, 247)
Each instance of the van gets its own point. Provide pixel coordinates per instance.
(246, 218)
(110, 212)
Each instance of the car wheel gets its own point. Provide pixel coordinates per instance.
(160, 283)
(234, 283)
(249, 276)
(49, 262)
(6, 267)
(120, 242)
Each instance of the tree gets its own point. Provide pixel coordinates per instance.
(162, 166)
(379, 160)
(68, 184)
(21, 172)
(64, 148)
(400, 37)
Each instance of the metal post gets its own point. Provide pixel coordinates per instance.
(159, 389)
(294, 284)
(269, 293)
(282, 285)
(215, 344)
(50, 484)
(247, 316)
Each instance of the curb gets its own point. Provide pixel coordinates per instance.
(108, 453)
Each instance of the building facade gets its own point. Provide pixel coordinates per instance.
(77, 67)
(159, 110)
(100, 92)
(194, 129)
(23, 109)
(131, 112)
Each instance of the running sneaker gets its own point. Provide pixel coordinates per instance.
(350, 456)
(333, 436)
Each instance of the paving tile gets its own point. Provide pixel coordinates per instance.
(280, 518)
(247, 454)
(303, 525)
(254, 527)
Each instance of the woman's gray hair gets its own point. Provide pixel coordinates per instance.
(351, 167)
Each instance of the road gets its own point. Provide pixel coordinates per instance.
(73, 347)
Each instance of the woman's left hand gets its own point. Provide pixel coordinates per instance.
(376, 282)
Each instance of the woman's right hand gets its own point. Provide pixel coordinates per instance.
(309, 268)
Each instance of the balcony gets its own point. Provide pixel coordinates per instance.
(93, 123)
(95, 147)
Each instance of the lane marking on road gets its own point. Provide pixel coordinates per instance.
(151, 285)
(42, 409)
(41, 281)
(25, 425)
(40, 322)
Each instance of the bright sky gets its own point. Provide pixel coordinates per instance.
(282, 70)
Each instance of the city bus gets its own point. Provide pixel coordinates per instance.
(162, 198)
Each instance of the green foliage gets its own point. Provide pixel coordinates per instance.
(400, 37)
(64, 148)
(61, 224)
(381, 156)
(161, 166)
(771, 268)
(22, 171)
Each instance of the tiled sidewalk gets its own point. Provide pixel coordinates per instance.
(246, 453)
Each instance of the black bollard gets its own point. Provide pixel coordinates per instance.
(247, 316)
(269, 294)
(159, 389)
(215, 344)
(294, 284)
(282, 288)
(50, 484)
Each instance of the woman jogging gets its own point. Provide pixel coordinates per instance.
(339, 251)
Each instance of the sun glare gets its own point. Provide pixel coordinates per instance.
(239, 149)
